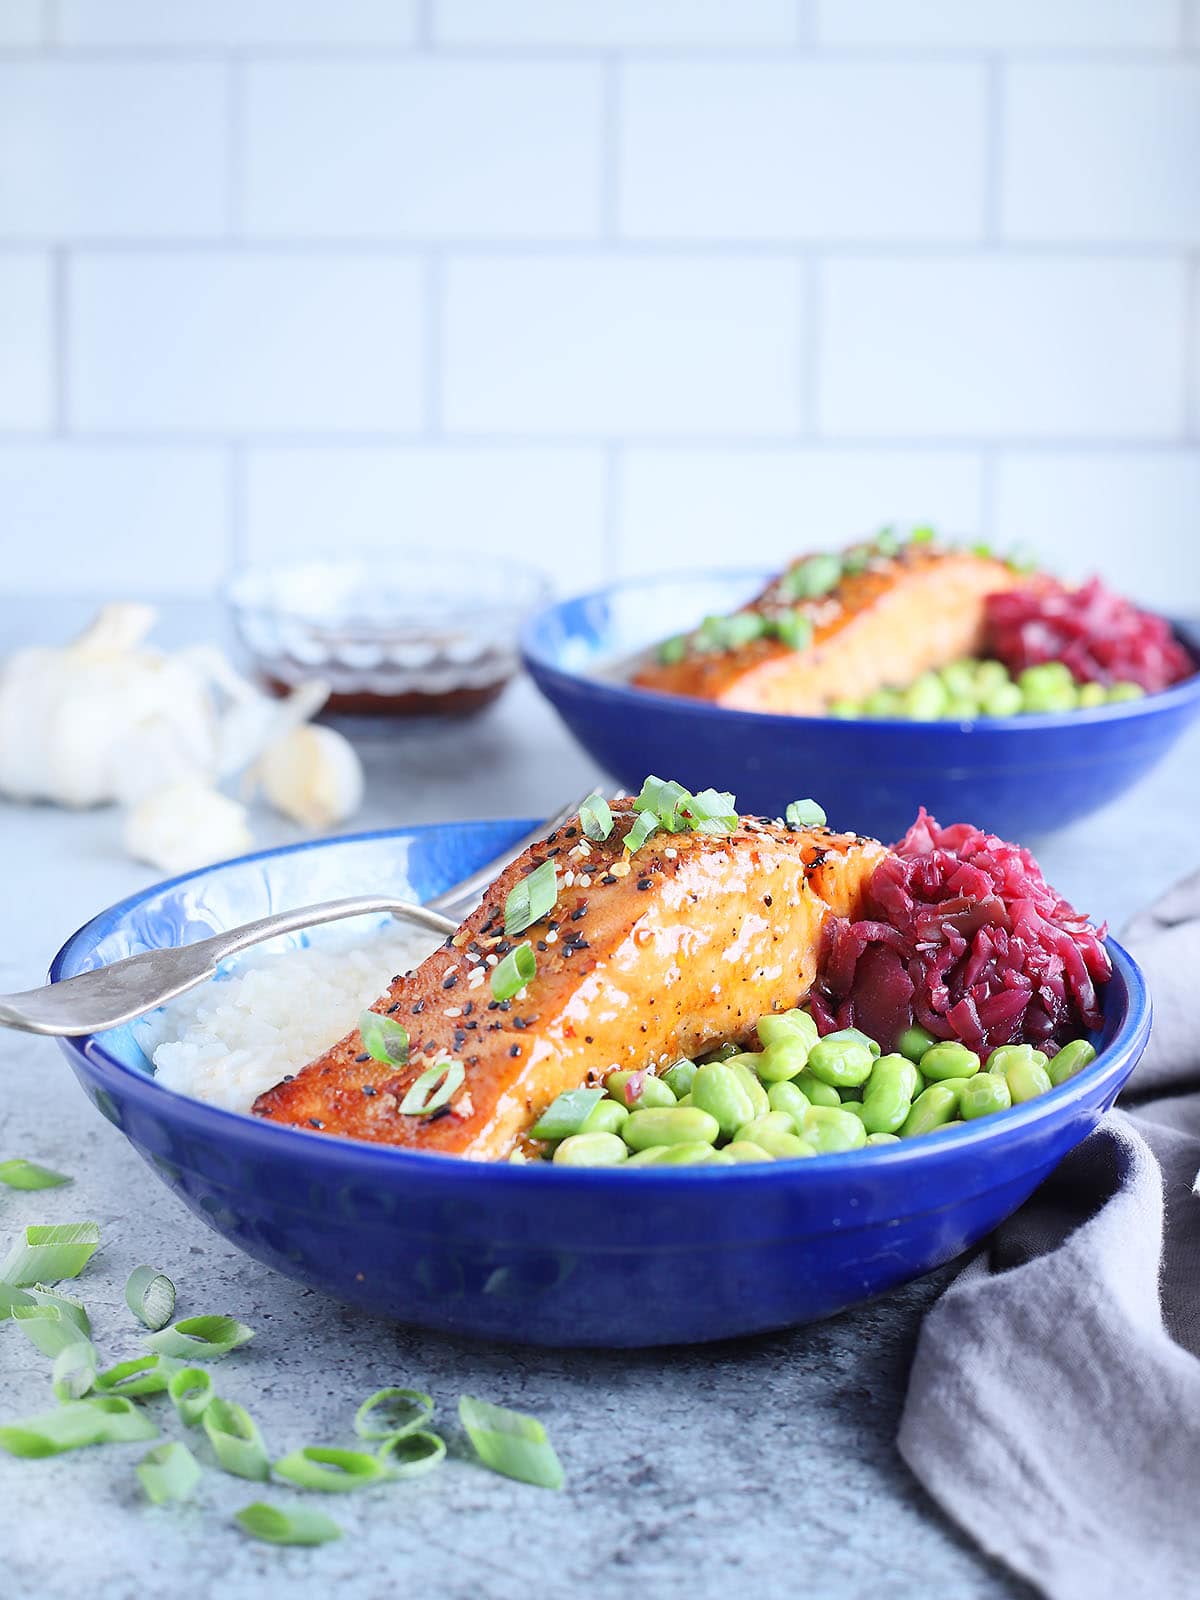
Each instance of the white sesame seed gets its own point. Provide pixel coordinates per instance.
(476, 978)
(493, 961)
(670, 852)
(552, 937)
(584, 882)
(452, 1011)
(568, 878)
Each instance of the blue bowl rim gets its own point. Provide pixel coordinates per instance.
(1115, 1061)
(538, 662)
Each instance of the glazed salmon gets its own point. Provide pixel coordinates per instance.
(883, 626)
(645, 957)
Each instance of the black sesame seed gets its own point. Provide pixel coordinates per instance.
(644, 883)
(514, 1050)
(368, 1088)
(395, 1006)
(766, 899)
(518, 1022)
(572, 833)
(550, 837)
(472, 1061)
(460, 1038)
(504, 1005)
(579, 912)
(418, 1007)
(608, 878)
(468, 1008)
(450, 980)
(289, 1077)
(542, 945)
(493, 1005)
(366, 1056)
(315, 1122)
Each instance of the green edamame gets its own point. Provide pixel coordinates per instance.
(674, 1124)
(883, 1138)
(819, 1093)
(932, 1107)
(591, 1150)
(779, 1146)
(719, 1090)
(829, 1130)
(925, 698)
(1072, 1058)
(983, 1095)
(1091, 695)
(1004, 700)
(1026, 1081)
(680, 1076)
(1125, 691)
(790, 1100)
(653, 1091)
(684, 1154)
(856, 1036)
(721, 1053)
(914, 1042)
(843, 1063)
(786, 1024)
(888, 1095)
(782, 1059)
(609, 1116)
(744, 1150)
(744, 1067)
(949, 1060)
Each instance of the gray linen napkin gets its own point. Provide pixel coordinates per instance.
(1053, 1409)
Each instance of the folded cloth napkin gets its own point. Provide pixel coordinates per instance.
(1053, 1409)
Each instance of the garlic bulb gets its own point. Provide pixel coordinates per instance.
(186, 825)
(313, 775)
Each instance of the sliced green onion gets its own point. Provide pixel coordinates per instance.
(274, 1526)
(46, 1328)
(814, 577)
(110, 1420)
(383, 1039)
(983, 551)
(665, 804)
(21, 1174)
(74, 1370)
(511, 1443)
(532, 898)
(236, 1441)
(150, 1295)
(39, 1295)
(804, 814)
(595, 817)
(409, 1455)
(743, 627)
(169, 1472)
(518, 968)
(566, 1113)
(663, 799)
(433, 1088)
(672, 651)
(330, 1471)
(922, 535)
(389, 1413)
(200, 1338)
(795, 630)
(711, 811)
(142, 1375)
(191, 1391)
(710, 635)
(886, 542)
(47, 1254)
(856, 558)
(644, 824)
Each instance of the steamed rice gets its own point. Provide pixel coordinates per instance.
(229, 1040)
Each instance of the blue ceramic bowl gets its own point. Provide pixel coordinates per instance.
(555, 1255)
(1016, 776)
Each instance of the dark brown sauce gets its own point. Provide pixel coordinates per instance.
(413, 703)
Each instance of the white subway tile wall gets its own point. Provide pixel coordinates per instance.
(614, 284)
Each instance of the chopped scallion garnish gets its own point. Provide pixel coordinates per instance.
(331, 1471)
(150, 1295)
(886, 542)
(668, 805)
(48, 1254)
(511, 1442)
(922, 535)
(595, 817)
(21, 1174)
(566, 1114)
(274, 1526)
(200, 1338)
(518, 968)
(804, 814)
(672, 651)
(433, 1088)
(813, 577)
(168, 1473)
(794, 630)
(711, 811)
(383, 1039)
(644, 824)
(236, 1441)
(388, 1413)
(531, 899)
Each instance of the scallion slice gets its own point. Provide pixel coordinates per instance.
(46, 1328)
(886, 542)
(531, 899)
(273, 1526)
(511, 1442)
(644, 824)
(389, 1413)
(663, 798)
(150, 1295)
(74, 1370)
(409, 1455)
(814, 577)
(21, 1174)
(191, 1391)
(433, 1088)
(518, 968)
(74, 1310)
(383, 1039)
(795, 630)
(672, 651)
(331, 1471)
(236, 1441)
(108, 1420)
(200, 1338)
(566, 1113)
(169, 1472)
(48, 1254)
(804, 814)
(595, 817)
(711, 811)
(922, 535)
(142, 1375)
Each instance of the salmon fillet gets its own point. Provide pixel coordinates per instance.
(644, 958)
(881, 627)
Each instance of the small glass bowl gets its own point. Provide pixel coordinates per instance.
(402, 633)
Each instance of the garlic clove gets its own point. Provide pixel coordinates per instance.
(313, 775)
(185, 825)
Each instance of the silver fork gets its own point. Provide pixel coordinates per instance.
(108, 996)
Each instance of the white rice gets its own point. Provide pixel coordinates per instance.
(237, 1035)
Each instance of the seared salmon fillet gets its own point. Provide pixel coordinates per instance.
(882, 626)
(645, 957)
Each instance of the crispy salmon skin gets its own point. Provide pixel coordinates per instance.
(899, 616)
(645, 957)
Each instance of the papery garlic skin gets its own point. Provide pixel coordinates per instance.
(313, 775)
(186, 825)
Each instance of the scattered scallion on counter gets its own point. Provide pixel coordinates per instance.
(142, 1375)
(191, 1391)
(804, 814)
(108, 1420)
(596, 818)
(21, 1174)
(39, 1295)
(511, 1442)
(150, 1295)
(433, 1089)
(390, 1413)
(330, 1471)
(274, 1526)
(169, 1472)
(74, 1370)
(517, 969)
(411, 1455)
(200, 1338)
(48, 1254)
(383, 1039)
(531, 899)
(47, 1329)
(236, 1441)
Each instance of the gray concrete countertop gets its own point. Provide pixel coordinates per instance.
(767, 1464)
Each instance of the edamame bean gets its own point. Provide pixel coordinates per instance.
(1049, 687)
(955, 1122)
(829, 1130)
(1003, 700)
(591, 1150)
(780, 1146)
(854, 1107)
(882, 703)
(761, 1128)
(983, 1095)
(1092, 694)
(819, 1093)
(914, 1042)
(744, 1067)
(1125, 691)
(1072, 1058)
(931, 1108)
(1026, 1080)
(888, 1095)
(925, 698)
(782, 1059)
(949, 1060)
(784, 1024)
(675, 1124)
(792, 1102)
(844, 710)
(607, 1116)
(719, 1091)
(693, 1154)
(723, 1052)
(1004, 1055)
(653, 1091)
(990, 675)
(960, 708)
(843, 1063)
(856, 1036)
(679, 1077)
(959, 678)
(743, 1150)
(882, 1138)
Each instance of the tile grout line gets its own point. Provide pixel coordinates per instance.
(614, 478)
(60, 265)
(611, 109)
(433, 398)
(237, 539)
(995, 86)
(812, 304)
(235, 84)
(1191, 348)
